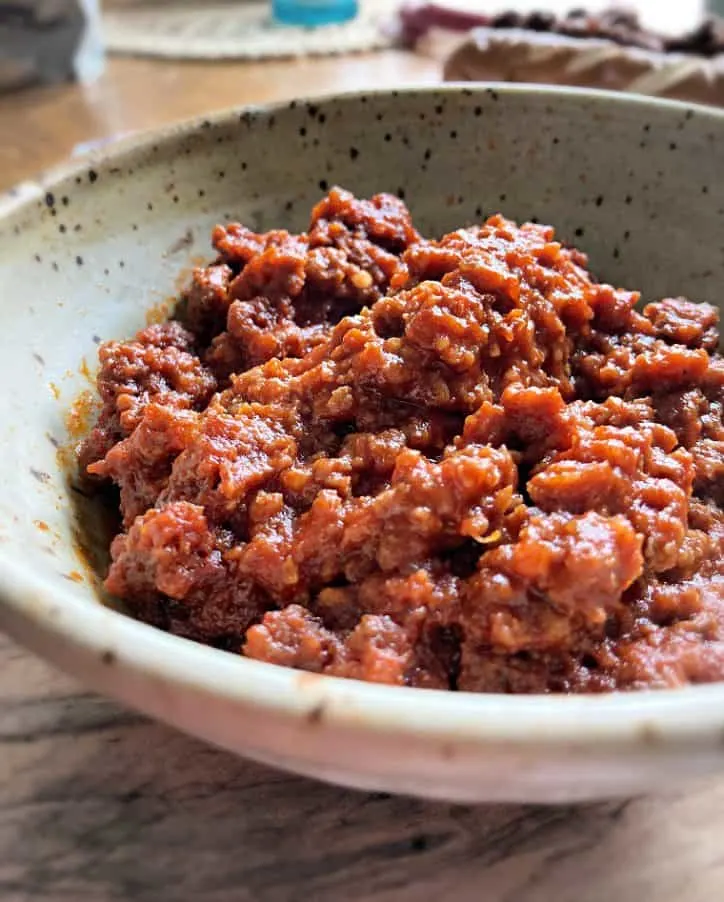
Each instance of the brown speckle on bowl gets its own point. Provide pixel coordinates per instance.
(40, 475)
(649, 735)
(316, 714)
(422, 843)
(75, 576)
(182, 242)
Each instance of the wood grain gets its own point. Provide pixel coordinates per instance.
(99, 805)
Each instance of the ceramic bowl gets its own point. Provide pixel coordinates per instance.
(86, 253)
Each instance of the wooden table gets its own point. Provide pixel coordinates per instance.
(99, 805)
(41, 127)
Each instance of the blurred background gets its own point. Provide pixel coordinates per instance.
(77, 73)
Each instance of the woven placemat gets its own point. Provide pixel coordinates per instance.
(238, 30)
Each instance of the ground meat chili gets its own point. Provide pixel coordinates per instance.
(459, 463)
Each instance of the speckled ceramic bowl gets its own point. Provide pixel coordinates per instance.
(85, 254)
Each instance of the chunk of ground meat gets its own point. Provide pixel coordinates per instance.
(278, 294)
(174, 572)
(159, 366)
(384, 219)
(561, 580)
(141, 464)
(682, 322)
(207, 300)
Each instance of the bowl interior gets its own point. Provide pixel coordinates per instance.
(86, 257)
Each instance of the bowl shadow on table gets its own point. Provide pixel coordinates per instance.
(120, 808)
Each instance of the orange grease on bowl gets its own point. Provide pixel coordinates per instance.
(85, 372)
(160, 312)
(81, 415)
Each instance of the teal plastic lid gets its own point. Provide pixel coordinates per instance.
(314, 12)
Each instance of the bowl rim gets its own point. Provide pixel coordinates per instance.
(19, 198)
(693, 714)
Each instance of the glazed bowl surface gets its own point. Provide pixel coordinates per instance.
(87, 253)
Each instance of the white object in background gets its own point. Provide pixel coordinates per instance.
(217, 30)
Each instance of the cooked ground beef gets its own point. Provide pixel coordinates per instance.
(459, 463)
